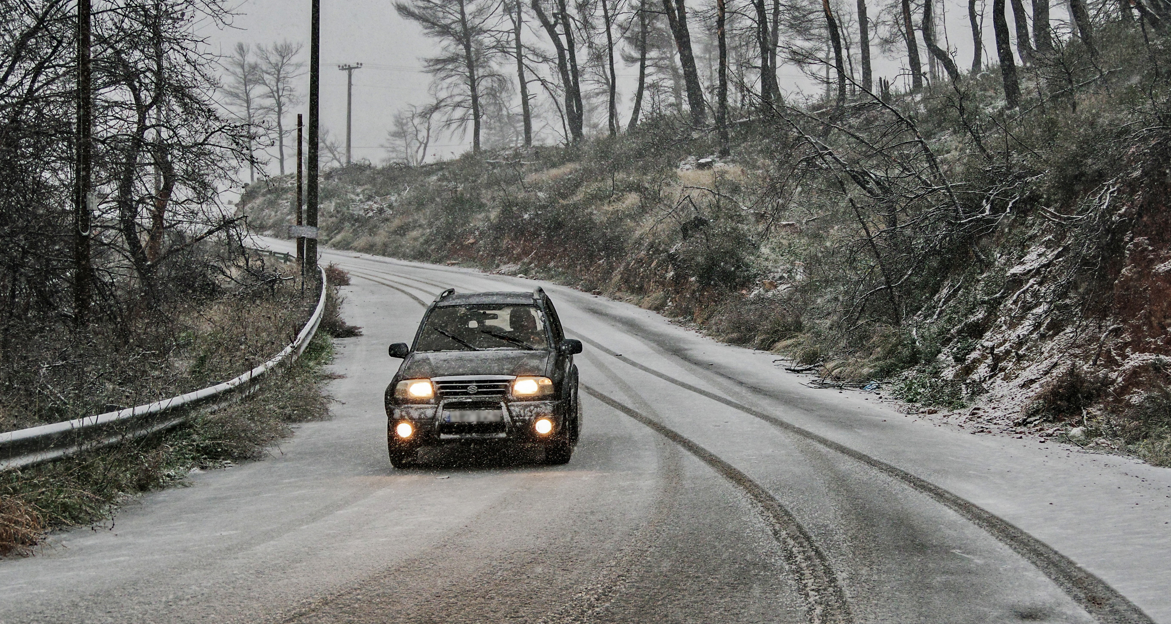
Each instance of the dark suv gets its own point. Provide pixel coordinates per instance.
(485, 368)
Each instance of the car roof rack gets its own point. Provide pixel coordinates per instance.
(445, 294)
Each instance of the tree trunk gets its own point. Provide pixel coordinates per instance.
(612, 112)
(473, 82)
(571, 113)
(864, 43)
(767, 75)
(1085, 29)
(1012, 87)
(835, 39)
(722, 87)
(280, 134)
(125, 200)
(977, 36)
(1041, 35)
(1021, 21)
(642, 37)
(677, 20)
(154, 239)
(525, 110)
(574, 74)
(912, 47)
(940, 54)
(774, 42)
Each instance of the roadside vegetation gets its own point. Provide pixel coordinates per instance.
(1009, 258)
(239, 329)
(123, 278)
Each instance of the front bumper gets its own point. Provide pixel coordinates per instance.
(433, 424)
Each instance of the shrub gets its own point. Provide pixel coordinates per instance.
(336, 275)
(926, 387)
(1065, 397)
(1148, 426)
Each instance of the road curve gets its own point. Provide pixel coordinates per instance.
(708, 487)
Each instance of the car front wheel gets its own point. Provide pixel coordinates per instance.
(401, 458)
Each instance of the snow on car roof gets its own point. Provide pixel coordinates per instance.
(502, 298)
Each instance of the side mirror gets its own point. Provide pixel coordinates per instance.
(399, 350)
(569, 346)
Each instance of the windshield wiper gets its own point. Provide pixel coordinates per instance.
(456, 338)
(509, 339)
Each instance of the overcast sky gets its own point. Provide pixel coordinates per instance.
(352, 31)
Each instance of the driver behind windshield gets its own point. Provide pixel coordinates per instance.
(482, 327)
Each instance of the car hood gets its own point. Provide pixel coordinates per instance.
(451, 363)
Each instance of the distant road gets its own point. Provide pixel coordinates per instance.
(709, 486)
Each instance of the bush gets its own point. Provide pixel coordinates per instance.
(336, 275)
(1065, 397)
(1148, 427)
(927, 388)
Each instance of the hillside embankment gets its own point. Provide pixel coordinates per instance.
(1009, 270)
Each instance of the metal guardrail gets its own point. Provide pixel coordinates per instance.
(48, 442)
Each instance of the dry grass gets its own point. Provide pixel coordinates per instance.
(20, 526)
(221, 339)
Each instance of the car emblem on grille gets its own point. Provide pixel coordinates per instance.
(472, 389)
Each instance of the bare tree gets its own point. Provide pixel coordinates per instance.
(1041, 34)
(977, 36)
(242, 93)
(939, 53)
(722, 81)
(410, 135)
(278, 68)
(1021, 21)
(660, 86)
(1085, 28)
(1012, 87)
(515, 10)
(912, 46)
(677, 20)
(567, 68)
(864, 46)
(612, 109)
(464, 64)
(768, 75)
(835, 39)
(640, 33)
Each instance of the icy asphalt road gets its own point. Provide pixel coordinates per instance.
(709, 486)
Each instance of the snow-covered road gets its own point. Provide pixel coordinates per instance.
(709, 486)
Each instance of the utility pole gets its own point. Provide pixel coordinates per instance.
(314, 122)
(82, 275)
(349, 69)
(300, 207)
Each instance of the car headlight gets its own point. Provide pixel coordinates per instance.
(529, 387)
(414, 390)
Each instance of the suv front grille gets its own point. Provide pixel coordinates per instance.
(473, 388)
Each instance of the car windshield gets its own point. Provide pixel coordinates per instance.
(483, 327)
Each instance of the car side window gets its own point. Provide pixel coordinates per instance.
(554, 323)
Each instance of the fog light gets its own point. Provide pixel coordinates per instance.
(543, 426)
(404, 430)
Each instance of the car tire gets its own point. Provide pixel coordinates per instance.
(400, 458)
(575, 426)
(558, 452)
